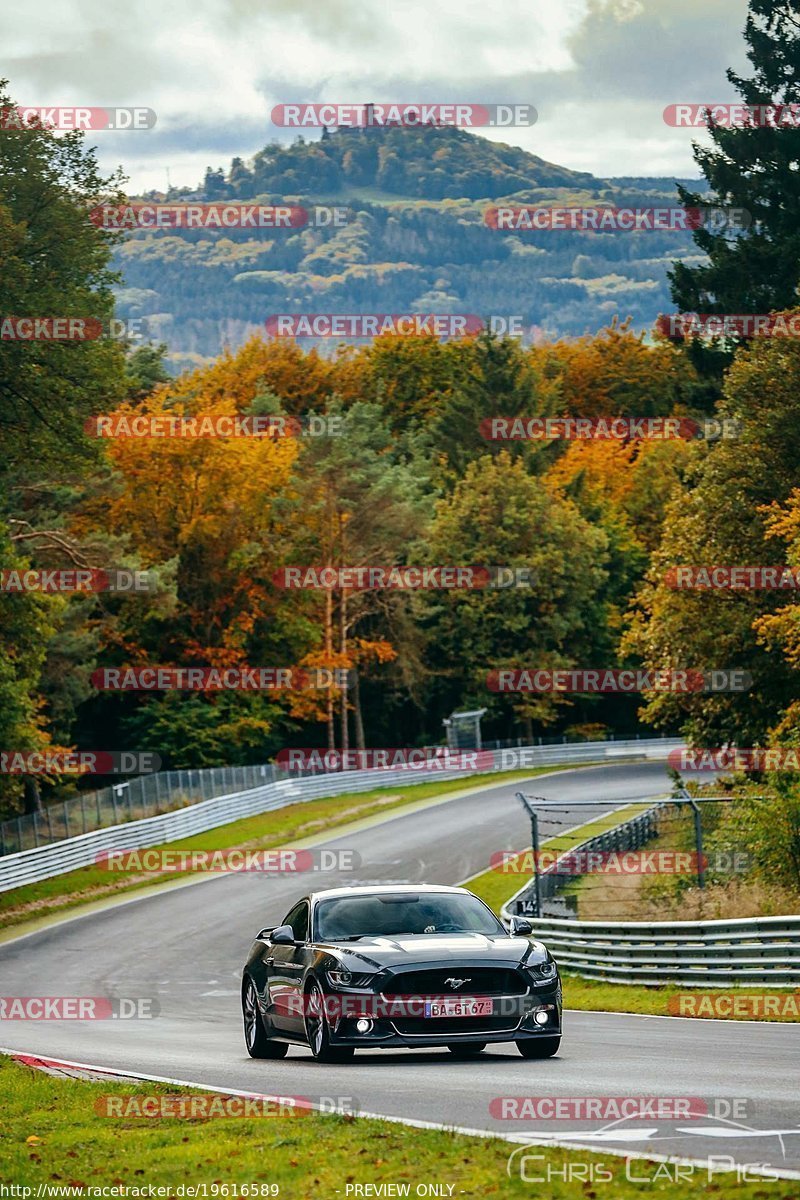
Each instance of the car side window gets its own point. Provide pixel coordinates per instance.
(298, 919)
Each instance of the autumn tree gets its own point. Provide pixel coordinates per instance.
(726, 517)
(201, 515)
(500, 515)
(617, 373)
(356, 503)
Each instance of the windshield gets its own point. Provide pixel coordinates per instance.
(387, 915)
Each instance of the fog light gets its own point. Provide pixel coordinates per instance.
(363, 1025)
(540, 1018)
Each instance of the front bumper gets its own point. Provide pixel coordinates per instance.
(513, 1019)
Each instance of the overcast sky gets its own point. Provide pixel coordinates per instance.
(599, 72)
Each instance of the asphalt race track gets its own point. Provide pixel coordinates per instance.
(184, 947)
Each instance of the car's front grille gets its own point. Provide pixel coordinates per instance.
(436, 1026)
(477, 981)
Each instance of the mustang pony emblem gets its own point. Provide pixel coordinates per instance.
(456, 983)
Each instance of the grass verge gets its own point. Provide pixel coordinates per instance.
(596, 996)
(53, 1137)
(728, 893)
(262, 831)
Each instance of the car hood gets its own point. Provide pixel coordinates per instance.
(474, 948)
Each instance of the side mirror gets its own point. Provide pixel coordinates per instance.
(282, 936)
(520, 925)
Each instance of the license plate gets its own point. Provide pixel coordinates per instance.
(459, 1006)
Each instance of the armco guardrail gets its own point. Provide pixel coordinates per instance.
(43, 862)
(764, 951)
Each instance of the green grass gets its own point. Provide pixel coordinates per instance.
(263, 831)
(596, 996)
(52, 1135)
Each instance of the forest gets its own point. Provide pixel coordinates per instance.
(377, 455)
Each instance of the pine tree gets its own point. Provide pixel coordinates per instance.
(756, 168)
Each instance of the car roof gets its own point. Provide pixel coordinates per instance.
(388, 889)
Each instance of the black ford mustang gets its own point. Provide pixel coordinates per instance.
(371, 967)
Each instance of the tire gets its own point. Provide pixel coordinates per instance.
(317, 1032)
(258, 1042)
(542, 1047)
(466, 1049)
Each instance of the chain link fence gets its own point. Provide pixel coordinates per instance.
(129, 800)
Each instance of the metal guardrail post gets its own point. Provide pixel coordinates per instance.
(698, 837)
(537, 882)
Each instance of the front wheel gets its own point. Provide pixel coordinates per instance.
(466, 1049)
(317, 1032)
(259, 1043)
(542, 1047)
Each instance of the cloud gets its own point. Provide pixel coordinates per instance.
(600, 72)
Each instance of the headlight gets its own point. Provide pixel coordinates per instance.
(346, 979)
(543, 972)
